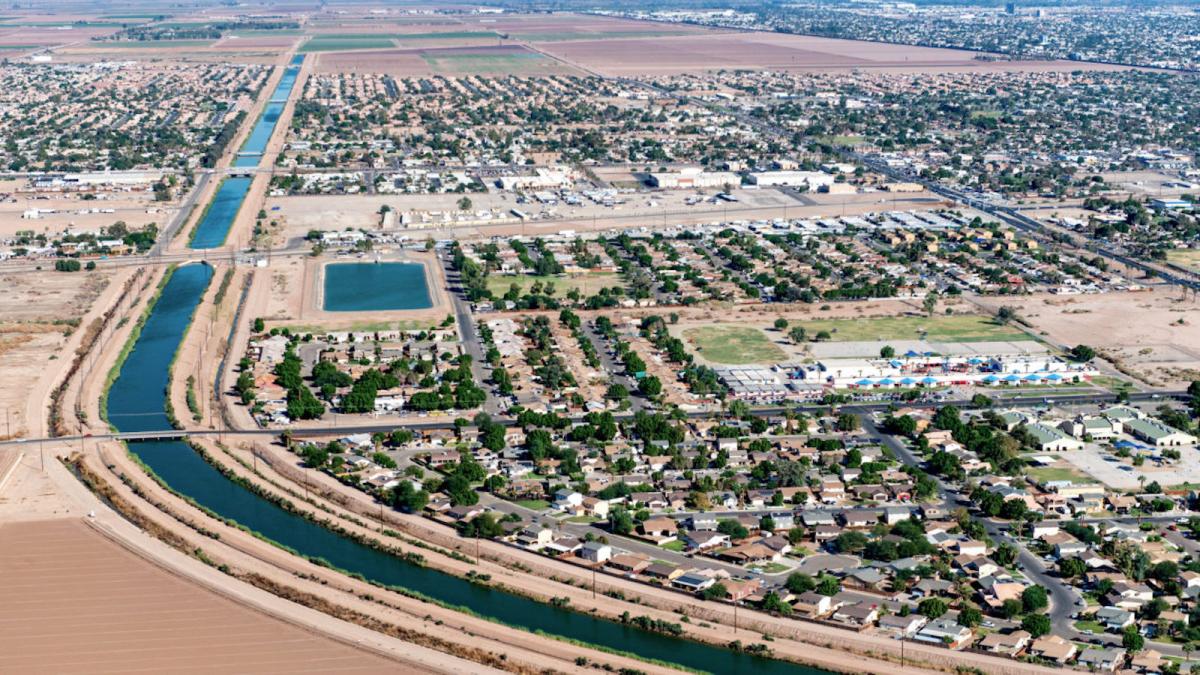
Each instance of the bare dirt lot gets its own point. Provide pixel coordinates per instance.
(1154, 334)
(489, 61)
(36, 310)
(75, 601)
(715, 51)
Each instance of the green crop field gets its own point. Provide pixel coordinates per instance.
(512, 63)
(344, 43)
(1052, 473)
(449, 35)
(942, 328)
(586, 284)
(734, 345)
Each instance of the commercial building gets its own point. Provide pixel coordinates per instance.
(694, 177)
(812, 179)
(1161, 435)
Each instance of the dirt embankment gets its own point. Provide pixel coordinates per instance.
(253, 561)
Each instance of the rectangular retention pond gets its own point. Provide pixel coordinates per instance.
(363, 287)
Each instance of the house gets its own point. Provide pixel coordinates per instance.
(858, 615)
(1053, 648)
(813, 604)
(945, 632)
(693, 582)
(663, 572)
(596, 508)
(859, 518)
(596, 552)
(972, 547)
(568, 500)
(1102, 659)
(1114, 619)
(705, 540)
(904, 626)
(535, 538)
(660, 530)
(1010, 644)
(629, 562)
(1149, 661)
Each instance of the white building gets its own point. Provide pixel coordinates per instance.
(813, 179)
(694, 177)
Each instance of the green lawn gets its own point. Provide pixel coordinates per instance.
(1185, 257)
(944, 328)
(676, 545)
(337, 43)
(534, 504)
(1089, 625)
(728, 343)
(588, 284)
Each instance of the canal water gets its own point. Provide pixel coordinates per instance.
(137, 402)
(361, 287)
(256, 143)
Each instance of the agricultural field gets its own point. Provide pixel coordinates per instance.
(338, 43)
(943, 328)
(491, 62)
(733, 345)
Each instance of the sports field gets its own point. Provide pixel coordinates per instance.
(938, 328)
(733, 345)
(586, 284)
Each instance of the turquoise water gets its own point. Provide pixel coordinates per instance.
(359, 287)
(256, 142)
(214, 227)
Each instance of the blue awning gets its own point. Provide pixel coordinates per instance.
(887, 380)
(990, 378)
(928, 380)
(907, 380)
(864, 382)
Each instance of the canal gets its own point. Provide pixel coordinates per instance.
(136, 401)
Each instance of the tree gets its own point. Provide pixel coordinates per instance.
(715, 592)
(408, 498)
(650, 386)
(1082, 353)
(259, 325)
(1010, 608)
(1033, 599)
(887, 352)
(781, 323)
(932, 607)
(929, 304)
(1071, 568)
(799, 582)
(850, 542)
(798, 334)
(1131, 639)
(1036, 625)
(774, 604)
(620, 522)
(969, 617)
(464, 204)
(1006, 314)
(847, 422)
